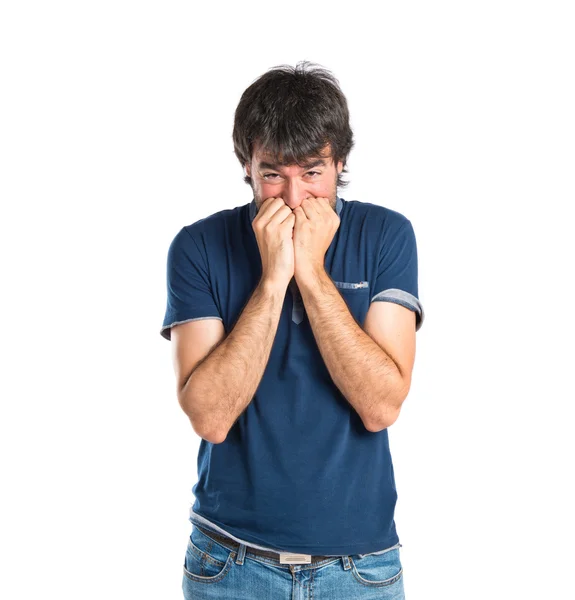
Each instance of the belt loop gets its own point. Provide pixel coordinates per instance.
(241, 554)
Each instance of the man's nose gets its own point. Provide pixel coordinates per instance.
(294, 194)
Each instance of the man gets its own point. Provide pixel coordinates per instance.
(293, 322)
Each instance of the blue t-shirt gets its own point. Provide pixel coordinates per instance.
(298, 470)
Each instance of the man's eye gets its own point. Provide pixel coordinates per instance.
(270, 175)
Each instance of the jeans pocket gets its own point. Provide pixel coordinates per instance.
(377, 569)
(206, 560)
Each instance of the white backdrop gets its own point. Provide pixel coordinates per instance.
(115, 131)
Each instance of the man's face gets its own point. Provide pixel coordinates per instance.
(293, 183)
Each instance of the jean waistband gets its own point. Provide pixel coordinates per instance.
(233, 545)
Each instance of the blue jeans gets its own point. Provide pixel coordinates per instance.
(212, 569)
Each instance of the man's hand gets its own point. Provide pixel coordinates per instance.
(273, 228)
(315, 225)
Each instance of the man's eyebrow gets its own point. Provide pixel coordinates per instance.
(308, 165)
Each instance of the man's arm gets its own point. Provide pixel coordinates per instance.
(368, 378)
(224, 383)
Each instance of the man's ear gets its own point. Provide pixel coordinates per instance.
(339, 166)
(248, 169)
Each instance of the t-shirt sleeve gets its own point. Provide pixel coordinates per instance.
(397, 271)
(189, 294)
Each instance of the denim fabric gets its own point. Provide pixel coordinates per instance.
(213, 570)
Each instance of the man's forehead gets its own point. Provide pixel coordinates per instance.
(267, 157)
(267, 160)
(308, 164)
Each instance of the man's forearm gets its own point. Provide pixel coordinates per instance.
(364, 373)
(223, 385)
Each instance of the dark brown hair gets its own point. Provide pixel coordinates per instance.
(293, 113)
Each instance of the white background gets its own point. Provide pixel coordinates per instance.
(115, 131)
